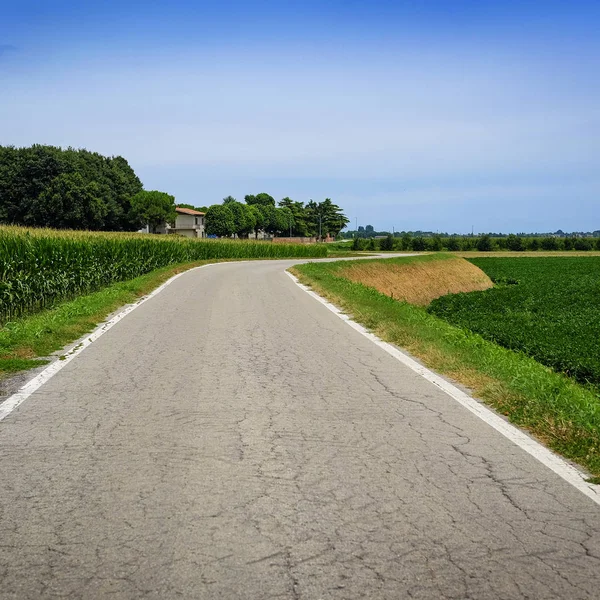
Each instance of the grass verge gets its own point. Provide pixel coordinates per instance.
(26, 342)
(558, 411)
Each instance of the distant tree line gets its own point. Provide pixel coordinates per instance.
(46, 186)
(482, 243)
(369, 231)
(260, 212)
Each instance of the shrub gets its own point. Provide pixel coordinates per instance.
(436, 243)
(398, 245)
(515, 243)
(568, 244)
(418, 244)
(484, 243)
(534, 244)
(453, 244)
(387, 243)
(582, 244)
(549, 243)
(467, 243)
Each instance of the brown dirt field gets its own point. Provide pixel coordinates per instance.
(419, 283)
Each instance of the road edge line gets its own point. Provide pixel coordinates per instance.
(549, 459)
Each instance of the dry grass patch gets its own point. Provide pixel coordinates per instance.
(419, 282)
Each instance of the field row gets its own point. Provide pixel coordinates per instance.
(484, 243)
(40, 267)
(547, 308)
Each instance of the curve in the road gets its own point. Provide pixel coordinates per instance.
(232, 438)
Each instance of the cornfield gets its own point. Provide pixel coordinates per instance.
(39, 267)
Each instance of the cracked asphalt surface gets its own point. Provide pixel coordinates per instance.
(232, 438)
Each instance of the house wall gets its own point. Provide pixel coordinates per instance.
(184, 222)
(189, 225)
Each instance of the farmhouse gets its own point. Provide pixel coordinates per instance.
(189, 223)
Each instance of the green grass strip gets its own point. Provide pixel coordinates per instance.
(560, 412)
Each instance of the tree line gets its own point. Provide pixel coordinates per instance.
(483, 243)
(369, 231)
(287, 217)
(46, 186)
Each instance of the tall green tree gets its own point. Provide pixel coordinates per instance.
(124, 184)
(28, 173)
(299, 216)
(286, 220)
(261, 199)
(24, 174)
(275, 220)
(269, 218)
(258, 218)
(69, 202)
(243, 218)
(325, 218)
(219, 220)
(313, 220)
(154, 209)
(250, 218)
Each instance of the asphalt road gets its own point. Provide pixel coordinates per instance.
(232, 438)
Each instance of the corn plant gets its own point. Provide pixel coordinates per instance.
(39, 267)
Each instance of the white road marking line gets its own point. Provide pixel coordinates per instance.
(34, 384)
(554, 462)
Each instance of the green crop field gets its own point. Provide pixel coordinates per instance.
(547, 308)
(39, 267)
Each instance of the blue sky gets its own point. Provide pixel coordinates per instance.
(415, 115)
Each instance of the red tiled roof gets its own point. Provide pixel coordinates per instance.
(187, 211)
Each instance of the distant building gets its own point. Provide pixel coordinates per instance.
(189, 223)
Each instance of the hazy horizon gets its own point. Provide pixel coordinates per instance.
(431, 116)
